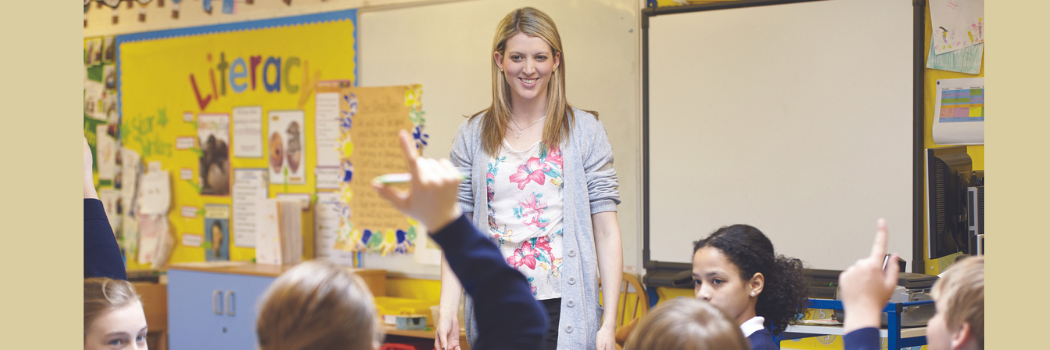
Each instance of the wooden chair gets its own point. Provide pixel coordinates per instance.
(626, 319)
(155, 305)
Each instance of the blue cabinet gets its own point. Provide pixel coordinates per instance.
(213, 305)
(213, 310)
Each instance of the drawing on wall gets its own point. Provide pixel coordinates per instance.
(956, 24)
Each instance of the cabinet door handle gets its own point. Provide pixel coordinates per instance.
(215, 302)
(230, 298)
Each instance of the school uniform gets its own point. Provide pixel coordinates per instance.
(862, 339)
(102, 256)
(508, 317)
(757, 334)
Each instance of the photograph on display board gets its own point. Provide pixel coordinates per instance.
(287, 148)
(213, 132)
(216, 232)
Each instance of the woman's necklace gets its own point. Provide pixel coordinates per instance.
(520, 129)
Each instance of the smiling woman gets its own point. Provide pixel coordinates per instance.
(542, 181)
(113, 316)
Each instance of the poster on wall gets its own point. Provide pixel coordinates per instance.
(959, 112)
(213, 136)
(221, 82)
(374, 116)
(216, 232)
(287, 152)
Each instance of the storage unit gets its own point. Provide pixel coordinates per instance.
(214, 306)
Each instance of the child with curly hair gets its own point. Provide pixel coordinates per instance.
(736, 270)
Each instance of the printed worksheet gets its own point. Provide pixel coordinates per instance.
(959, 112)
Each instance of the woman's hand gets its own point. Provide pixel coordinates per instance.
(446, 332)
(606, 338)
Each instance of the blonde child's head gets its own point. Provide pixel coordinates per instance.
(959, 295)
(687, 324)
(318, 305)
(113, 316)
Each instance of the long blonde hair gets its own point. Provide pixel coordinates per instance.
(102, 294)
(495, 119)
(318, 305)
(686, 324)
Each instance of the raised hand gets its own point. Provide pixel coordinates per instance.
(866, 286)
(431, 197)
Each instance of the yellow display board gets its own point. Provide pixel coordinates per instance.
(177, 85)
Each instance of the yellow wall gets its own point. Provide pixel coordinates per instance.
(933, 267)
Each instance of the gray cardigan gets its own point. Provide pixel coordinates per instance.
(590, 187)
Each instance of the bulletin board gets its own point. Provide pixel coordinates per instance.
(181, 90)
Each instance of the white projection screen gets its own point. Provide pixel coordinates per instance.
(794, 118)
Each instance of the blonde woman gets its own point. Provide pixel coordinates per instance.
(113, 316)
(687, 324)
(542, 184)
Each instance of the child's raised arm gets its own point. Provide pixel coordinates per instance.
(508, 315)
(866, 287)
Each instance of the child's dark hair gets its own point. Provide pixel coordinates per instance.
(784, 295)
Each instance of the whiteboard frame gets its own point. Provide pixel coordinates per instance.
(661, 270)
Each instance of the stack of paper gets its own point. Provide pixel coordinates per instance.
(279, 238)
(291, 231)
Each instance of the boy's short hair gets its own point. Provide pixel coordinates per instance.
(686, 324)
(961, 289)
(318, 305)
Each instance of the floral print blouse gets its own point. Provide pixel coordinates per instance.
(525, 213)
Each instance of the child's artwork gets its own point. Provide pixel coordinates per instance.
(109, 51)
(106, 148)
(287, 150)
(109, 76)
(956, 24)
(213, 133)
(370, 121)
(154, 193)
(92, 51)
(967, 60)
(216, 233)
(94, 107)
(152, 232)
